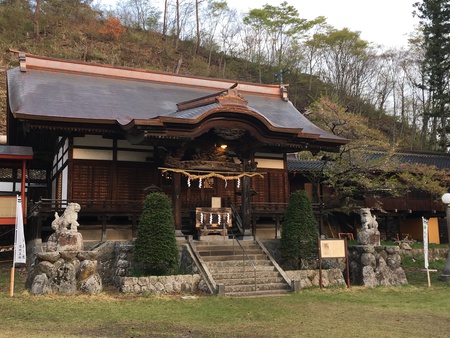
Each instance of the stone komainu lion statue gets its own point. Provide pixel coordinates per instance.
(69, 217)
(368, 222)
(369, 233)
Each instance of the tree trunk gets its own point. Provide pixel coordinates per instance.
(197, 47)
(36, 19)
(164, 32)
(178, 25)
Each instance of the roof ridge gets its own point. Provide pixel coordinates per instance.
(39, 62)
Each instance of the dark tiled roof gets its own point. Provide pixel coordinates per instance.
(296, 165)
(439, 160)
(15, 152)
(59, 90)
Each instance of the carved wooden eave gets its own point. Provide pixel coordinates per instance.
(240, 118)
(224, 113)
(204, 165)
(65, 127)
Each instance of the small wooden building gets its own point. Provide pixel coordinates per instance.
(397, 217)
(13, 175)
(13, 164)
(106, 136)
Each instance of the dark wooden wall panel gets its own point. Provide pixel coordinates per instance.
(92, 181)
(131, 182)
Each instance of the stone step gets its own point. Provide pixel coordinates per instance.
(215, 253)
(259, 287)
(225, 258)
(239, 263)
(226, 243)
(249, 281)
(227, 248)
(230, 268)
(219, 240)
(261, 293)
(241, 269)
(245, 274)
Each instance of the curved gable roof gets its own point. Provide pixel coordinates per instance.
(44, 89)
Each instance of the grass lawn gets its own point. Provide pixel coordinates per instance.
(404, 311)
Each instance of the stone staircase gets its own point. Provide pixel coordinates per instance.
(234, 273)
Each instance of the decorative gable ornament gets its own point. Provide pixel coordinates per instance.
(232, 97)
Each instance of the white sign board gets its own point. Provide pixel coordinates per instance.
(332, 248)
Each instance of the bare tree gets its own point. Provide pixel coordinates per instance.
(164, 32)
(37, 9)
(178, 25)
(137, 13)
(197, 46)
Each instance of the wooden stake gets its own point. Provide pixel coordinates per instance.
(428, 276)
(11, 284)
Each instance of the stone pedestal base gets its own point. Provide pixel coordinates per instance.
(65, 241)
(62, 271)
(376, 265)
(369, 237)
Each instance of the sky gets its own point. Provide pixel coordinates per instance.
(382, 22)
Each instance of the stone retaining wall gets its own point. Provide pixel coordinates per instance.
(191, 281)
(195, 283)
(381, 267)
(309, 278)
(161, 284)
(433, 253)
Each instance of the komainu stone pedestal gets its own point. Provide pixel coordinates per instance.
(65, 241)
(65, 267)
(63, 271)
(376, 265)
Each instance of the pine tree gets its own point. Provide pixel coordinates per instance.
(299, 232)
(434, 18)
(156, 251)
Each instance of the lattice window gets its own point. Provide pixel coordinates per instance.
(6, 173)
(37, 174)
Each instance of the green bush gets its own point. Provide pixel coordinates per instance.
(299, 232)
(156, 251)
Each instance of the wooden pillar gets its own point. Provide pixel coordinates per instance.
(277, 225)
(38, 231)
(134, 221)
(22, 187)
(246, 208)
(176, 200)
(104, 219)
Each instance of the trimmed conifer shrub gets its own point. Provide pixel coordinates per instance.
(156, 251)
(299, 233)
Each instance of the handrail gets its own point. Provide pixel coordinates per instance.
(204, 272)
(237, 219)
(244, 253)
(274, 263)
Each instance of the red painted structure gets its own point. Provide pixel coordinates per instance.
(14, 157)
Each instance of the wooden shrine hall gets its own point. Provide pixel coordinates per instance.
(107, 136)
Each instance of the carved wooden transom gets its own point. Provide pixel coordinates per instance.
(229, 134)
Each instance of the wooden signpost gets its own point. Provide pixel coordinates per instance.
(333, 248)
